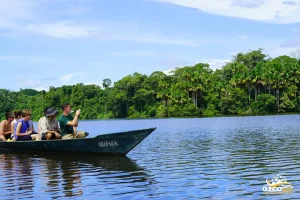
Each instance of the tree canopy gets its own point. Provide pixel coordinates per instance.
(252, 83)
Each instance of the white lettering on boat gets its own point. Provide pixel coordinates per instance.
(108, 144)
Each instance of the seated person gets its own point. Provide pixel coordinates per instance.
(68, 124)
(5, 128)
(40, 120)
(49, 126)
(17, 115)
(30, 122)
(23, 130)
(39, 137)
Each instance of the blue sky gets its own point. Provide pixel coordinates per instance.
(62, 42)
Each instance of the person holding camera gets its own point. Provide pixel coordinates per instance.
(68, 123)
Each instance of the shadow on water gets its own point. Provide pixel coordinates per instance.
(56, 175)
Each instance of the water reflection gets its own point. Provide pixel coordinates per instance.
(65, 175)
(215, 158)
(17, 173)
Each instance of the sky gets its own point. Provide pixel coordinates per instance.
(47, 43)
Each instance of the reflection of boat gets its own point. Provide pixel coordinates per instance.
(66, 174)
(111, 163)
(115, 143)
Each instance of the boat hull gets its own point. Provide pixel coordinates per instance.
(115, 143)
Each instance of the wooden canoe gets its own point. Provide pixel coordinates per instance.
(114, 143)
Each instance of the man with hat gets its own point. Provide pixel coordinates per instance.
(49, 126)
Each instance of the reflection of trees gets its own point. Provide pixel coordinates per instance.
(71, 179)
(258, 152)
(6, 170)
(68, 175)
(17, 171)
(51, 169)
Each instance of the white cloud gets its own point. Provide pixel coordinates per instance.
(40, 88)
(69, 77)
(214, 64)
(169, 72)
(99, 83)
(66, 78)
(62, 29)
(217, 63)
(24, 18)
(275, 11)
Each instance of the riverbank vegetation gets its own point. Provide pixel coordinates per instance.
(252, 83)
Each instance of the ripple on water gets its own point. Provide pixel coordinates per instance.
(209, 158)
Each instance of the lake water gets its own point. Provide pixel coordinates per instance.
(214, 158)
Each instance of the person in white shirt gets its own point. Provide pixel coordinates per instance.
(49, 126)
(39, 124)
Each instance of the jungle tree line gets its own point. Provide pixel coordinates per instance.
(252, 83)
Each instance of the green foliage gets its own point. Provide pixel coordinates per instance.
(265, 103)
(233, 101)
(251, 83)
(211, 110)
(186, 110)
(29, 92)
(286, 104)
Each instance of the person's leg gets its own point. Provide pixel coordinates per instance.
(7, 136)
(40, 136)
(2, 138)
(24, 138)
(81, 134)
(48, 136)
(56, 136)
(33, 136)
(68, 136)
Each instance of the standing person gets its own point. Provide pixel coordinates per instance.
(23, 130)
(68, 123)
(49, 125)
(17, 115)
(5, 128)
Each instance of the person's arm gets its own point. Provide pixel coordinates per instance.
(39, 126)
(74, 122)
(56, 127)
(45, 129)
(2, 128)
(32, 127)
(12, 127)
(19, 129)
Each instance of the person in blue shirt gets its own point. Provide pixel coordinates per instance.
(22, 127)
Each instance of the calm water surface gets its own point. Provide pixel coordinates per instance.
(215, 158)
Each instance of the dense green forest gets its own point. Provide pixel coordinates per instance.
(252, 83)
